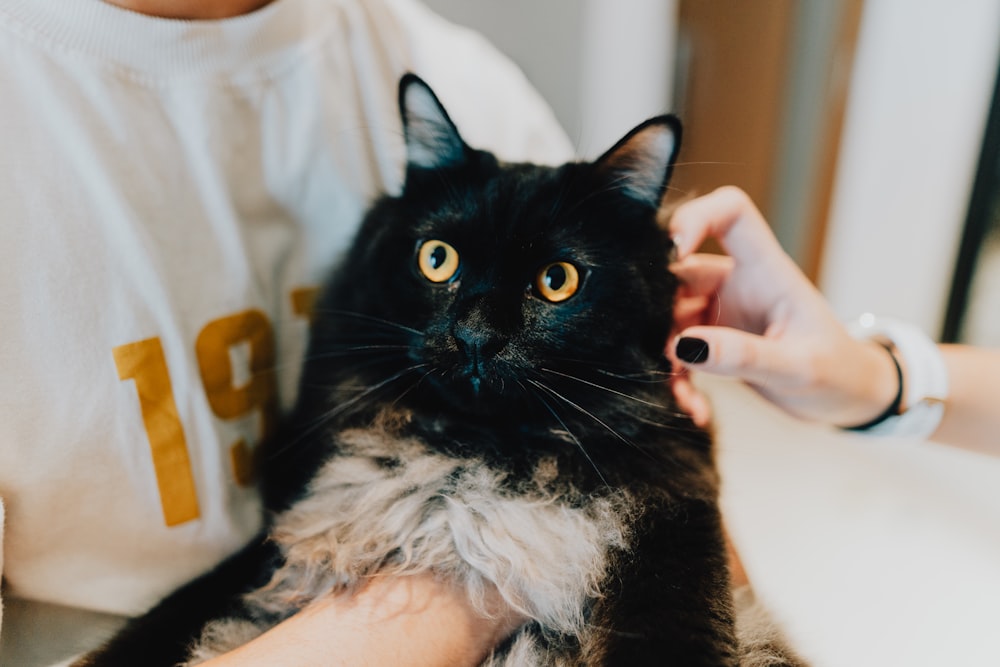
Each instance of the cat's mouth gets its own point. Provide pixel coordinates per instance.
(473, 371)
(474, 389)
(476, 382)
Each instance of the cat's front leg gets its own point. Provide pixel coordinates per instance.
(667, 598)
(163, 636)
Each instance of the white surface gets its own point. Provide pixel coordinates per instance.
(921, 86)
(871, 552)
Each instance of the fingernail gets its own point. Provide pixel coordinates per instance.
(676, 248)
(692, 350)
(673, 254)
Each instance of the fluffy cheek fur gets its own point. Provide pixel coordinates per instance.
(390, 506)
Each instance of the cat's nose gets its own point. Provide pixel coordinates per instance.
(477, 346)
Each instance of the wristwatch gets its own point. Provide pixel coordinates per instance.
(926, 377)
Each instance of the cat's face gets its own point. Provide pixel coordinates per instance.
(504, 281)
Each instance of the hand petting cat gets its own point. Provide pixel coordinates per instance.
(754, 315)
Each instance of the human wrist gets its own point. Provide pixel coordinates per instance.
(882, 386)
(869, 383)
(923, 379)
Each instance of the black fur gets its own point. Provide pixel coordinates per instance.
(164, 634)
(484, 366)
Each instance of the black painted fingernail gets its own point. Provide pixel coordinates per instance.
(692, 350)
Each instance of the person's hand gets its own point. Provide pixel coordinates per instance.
(755, 316)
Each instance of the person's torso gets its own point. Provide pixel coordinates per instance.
(164, 226)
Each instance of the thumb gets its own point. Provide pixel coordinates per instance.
(735, 353)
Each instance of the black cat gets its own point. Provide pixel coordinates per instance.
(485, 398)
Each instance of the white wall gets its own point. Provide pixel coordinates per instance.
(916, 112)
(603, 65)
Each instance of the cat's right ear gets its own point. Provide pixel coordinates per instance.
(432, 140)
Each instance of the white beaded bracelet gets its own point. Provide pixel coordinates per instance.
(926, 377)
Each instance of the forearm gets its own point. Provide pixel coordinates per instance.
(972, 413)
(971, 417)
(414, 621)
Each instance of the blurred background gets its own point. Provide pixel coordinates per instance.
(860, 127)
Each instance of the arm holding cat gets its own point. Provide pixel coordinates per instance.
(755, 316)
(417, 621)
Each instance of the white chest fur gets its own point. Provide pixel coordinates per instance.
(390, 505)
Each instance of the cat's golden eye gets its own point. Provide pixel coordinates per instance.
(438, 261)
(558, 281)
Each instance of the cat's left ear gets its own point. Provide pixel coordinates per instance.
(640, 164)
(432, 140)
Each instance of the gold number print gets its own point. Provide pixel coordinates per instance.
(144, 362)
(304, 301)
(260, 392)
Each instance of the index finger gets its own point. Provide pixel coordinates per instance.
(702, 273)
(728, 215)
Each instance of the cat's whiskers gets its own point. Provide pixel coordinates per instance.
(325, 418)
(345, 352)
(412, 387)
(651, 376)
(586, 412)
(674, 427)
(380, 329)
(602, 387)
(654, 377)
(369, 390)
(568, 432)
(369, 318)
(662, 408)
(349, 350)
(353, 364)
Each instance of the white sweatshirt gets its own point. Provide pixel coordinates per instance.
(170, 191)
